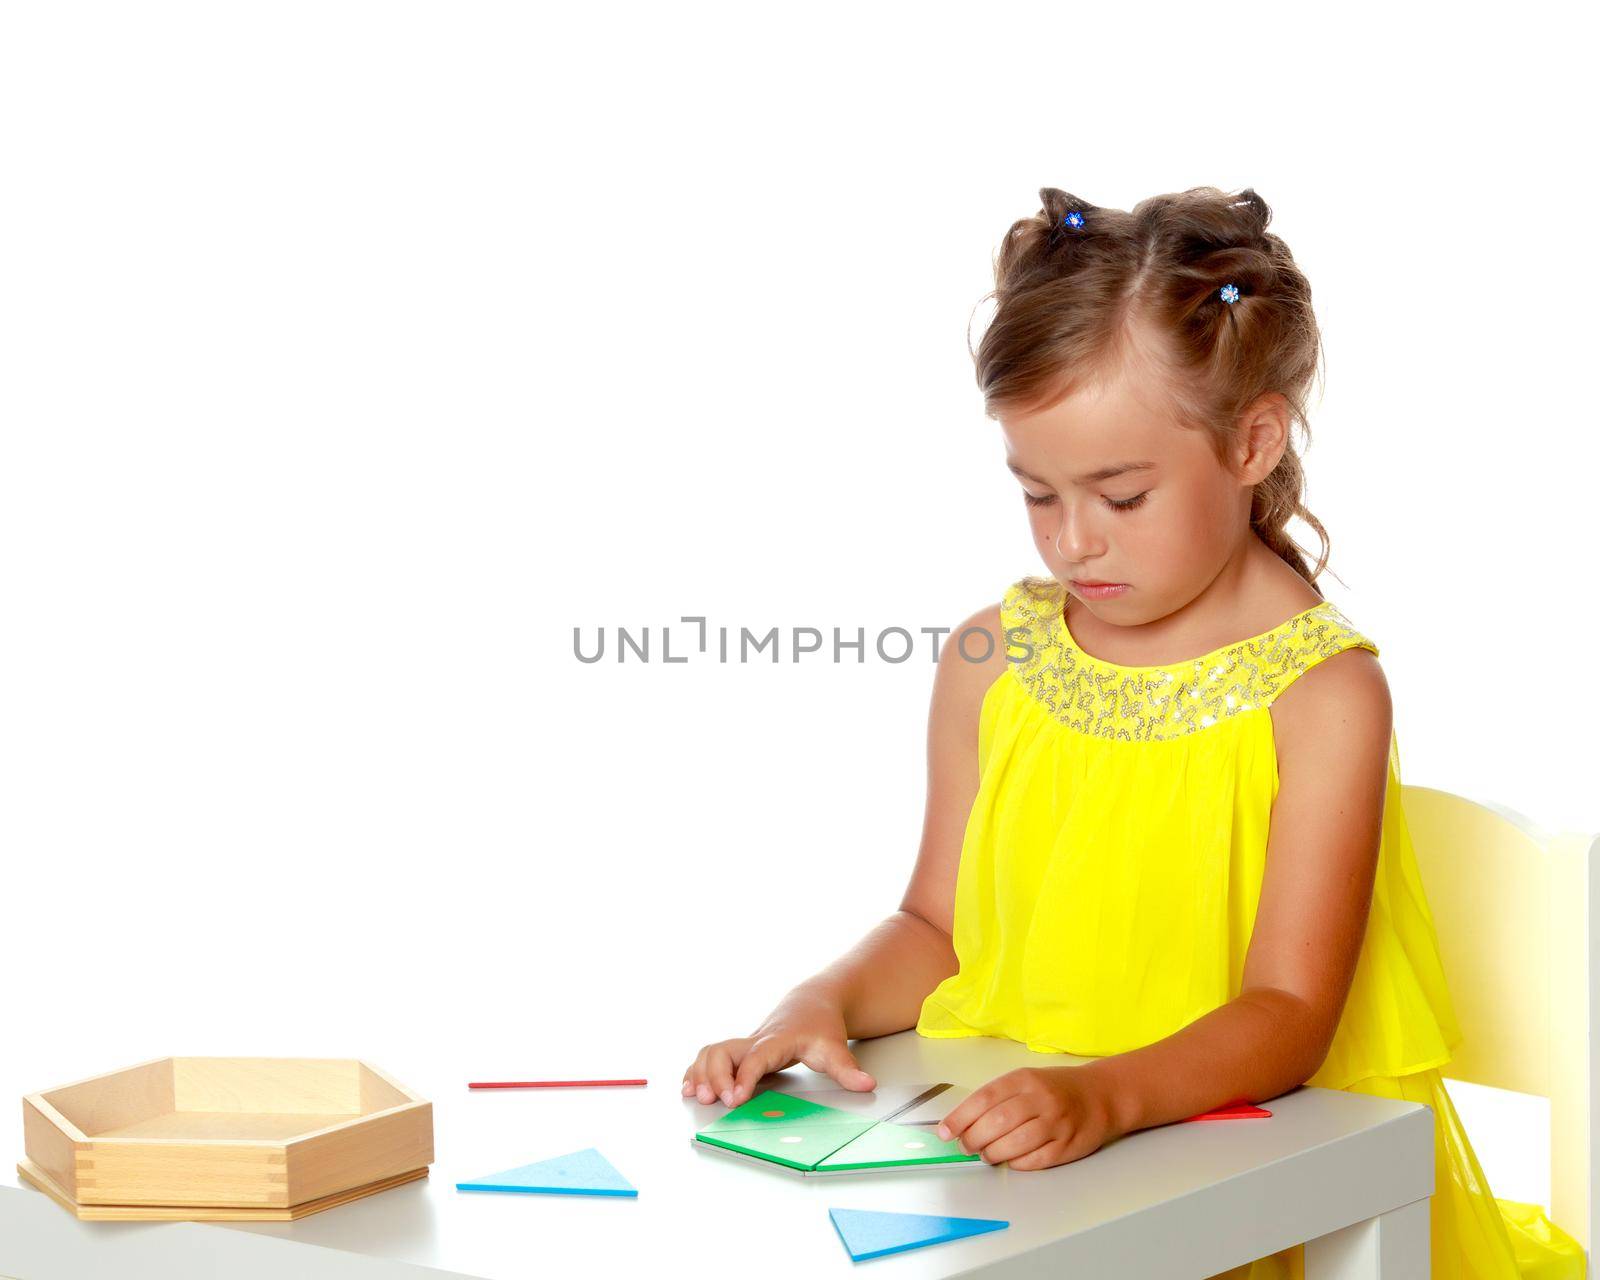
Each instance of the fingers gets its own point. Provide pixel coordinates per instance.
(719, 1070)
(732, 1069)
(956, 1124)
(769, 1054)
(1026, 1138)
(1045, 1157)
(994, 1124)
(703, 1092)
(832, 1058)
(711, 1074)
(989, 1112)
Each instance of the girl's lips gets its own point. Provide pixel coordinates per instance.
(1099, 590)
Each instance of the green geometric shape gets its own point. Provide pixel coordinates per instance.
(800, 1146)
(771, 1108)
(887, 1144)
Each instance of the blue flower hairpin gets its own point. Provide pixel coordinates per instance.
(1073, 219)
(1230, 293)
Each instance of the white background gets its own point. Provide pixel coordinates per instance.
(356, 354)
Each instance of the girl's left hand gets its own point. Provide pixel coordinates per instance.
(1035, 1117)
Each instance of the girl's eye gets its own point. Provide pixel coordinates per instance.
(1123, 504)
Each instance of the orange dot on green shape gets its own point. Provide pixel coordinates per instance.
(773, 1108)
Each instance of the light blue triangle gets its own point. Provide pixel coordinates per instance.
(868, 1234)
(579, 1173)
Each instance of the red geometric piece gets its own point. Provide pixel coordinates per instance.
(1239, 1109)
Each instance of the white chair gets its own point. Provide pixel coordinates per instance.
(1517, 911)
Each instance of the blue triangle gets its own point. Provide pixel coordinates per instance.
(867, 1234)
(579, 1173)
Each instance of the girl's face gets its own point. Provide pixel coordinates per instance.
(1119, 493)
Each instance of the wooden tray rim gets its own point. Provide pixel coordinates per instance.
(36, 1100)
(276, 1144)
(39, 1102)
(100, 1075)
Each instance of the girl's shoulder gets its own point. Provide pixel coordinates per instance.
(972, 657)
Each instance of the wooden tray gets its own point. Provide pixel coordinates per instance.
(229, 1133)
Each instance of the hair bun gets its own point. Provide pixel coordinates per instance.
(1244, 220)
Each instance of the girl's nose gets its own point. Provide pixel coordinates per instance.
(1077, 540)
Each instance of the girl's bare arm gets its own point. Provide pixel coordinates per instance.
(1333, 731)
(878, 986)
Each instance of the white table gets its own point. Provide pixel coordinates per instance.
(1348, 1173)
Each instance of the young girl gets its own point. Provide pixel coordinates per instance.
(1163, 826)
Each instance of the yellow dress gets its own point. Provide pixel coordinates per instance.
(1109, 877)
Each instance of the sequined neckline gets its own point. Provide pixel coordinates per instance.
(1151, 704)
(1063, 634)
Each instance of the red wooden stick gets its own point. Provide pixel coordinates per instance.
(543, 1084)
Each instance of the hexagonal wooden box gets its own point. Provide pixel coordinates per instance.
(225, 1138)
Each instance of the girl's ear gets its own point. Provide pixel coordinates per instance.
(1261, 438)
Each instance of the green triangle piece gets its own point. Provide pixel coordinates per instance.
(798, 1146)
(770, 1108)
(887, 1144)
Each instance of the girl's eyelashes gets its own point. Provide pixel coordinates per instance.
(1116, 504)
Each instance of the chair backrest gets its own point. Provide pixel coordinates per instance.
(1517, 912)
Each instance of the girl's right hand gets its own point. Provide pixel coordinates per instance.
(814, 1035)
